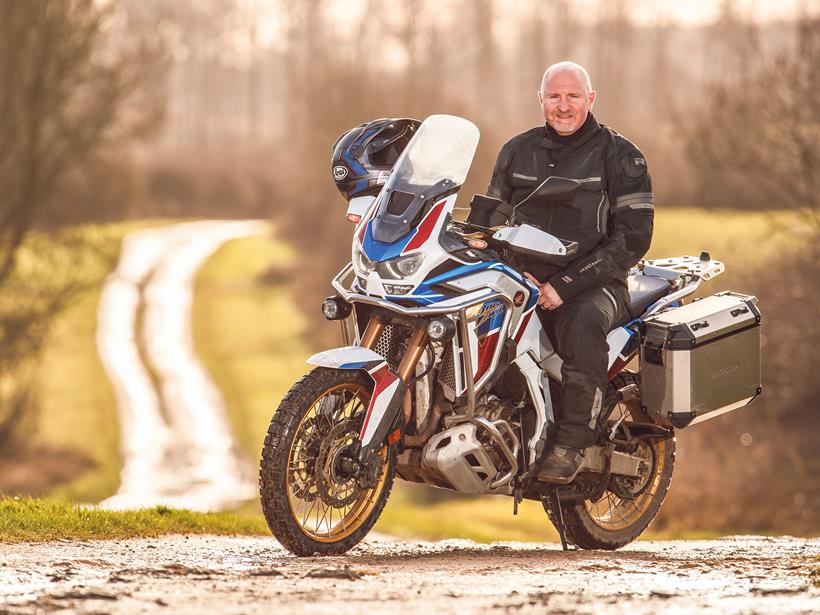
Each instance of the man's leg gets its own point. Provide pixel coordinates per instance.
(578, 330)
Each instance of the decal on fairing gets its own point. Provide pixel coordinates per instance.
(472, 268)
(623, 344)
(488, 324)
(386, 385)
(525, 320)
(378, 251)
(425, 229)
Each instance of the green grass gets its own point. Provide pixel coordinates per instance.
(41, 520)
(738, 238)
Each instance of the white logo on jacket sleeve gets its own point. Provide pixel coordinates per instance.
(339, 173)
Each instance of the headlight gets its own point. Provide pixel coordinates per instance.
(334, 308)
(441, 329)
(398, 268)
(361, 263)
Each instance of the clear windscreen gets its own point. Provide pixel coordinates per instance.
(442, 149)
(436, 161)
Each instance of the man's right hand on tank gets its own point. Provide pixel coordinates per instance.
(548, 297)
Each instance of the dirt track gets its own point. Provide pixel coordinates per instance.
(248, 575)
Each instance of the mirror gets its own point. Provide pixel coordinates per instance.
(488, 212)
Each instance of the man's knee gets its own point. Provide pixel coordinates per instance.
(581, 332)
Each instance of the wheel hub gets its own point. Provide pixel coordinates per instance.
(629, 488)
(334, 480)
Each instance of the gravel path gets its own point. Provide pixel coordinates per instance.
(176, 442)
(208, 574)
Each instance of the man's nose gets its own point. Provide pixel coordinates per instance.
(563, 105)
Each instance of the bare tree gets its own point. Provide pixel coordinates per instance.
(63, 99)
(760, 134)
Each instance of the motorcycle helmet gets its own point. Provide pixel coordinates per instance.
(363, 156)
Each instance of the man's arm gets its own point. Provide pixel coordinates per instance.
(630, 227)
(500, 186)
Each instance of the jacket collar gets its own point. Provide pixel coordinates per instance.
(552, 140)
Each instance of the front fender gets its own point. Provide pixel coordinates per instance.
(388, 392)
(348, 357)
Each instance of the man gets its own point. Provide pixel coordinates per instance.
(611, 218)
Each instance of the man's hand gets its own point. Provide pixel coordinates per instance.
(548, 297)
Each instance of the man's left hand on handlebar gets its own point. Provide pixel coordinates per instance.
(548, 298)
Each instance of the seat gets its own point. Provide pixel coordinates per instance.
(644, 290)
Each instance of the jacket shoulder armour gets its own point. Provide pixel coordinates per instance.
(621, 144)
(626, 156)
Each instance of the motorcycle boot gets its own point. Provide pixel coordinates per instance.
(561, 465)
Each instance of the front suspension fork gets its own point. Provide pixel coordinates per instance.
(383, 419)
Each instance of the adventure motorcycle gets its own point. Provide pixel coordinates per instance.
(450, 380)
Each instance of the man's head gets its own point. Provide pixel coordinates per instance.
(566, 97)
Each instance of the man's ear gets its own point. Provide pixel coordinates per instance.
(591, 98)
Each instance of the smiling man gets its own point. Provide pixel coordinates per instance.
(611, 218)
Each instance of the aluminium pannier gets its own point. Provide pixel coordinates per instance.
(702, 359)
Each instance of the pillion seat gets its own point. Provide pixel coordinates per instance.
(644, 290)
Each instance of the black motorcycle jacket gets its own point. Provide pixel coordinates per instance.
(611, 216)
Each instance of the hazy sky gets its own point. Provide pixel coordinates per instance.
(692, 12)
(645, 12)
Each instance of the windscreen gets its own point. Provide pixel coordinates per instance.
(442, 148)
(436, 160)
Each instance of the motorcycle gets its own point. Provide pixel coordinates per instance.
(448, 378)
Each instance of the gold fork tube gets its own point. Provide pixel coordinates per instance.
(372, 332)
(415, 347)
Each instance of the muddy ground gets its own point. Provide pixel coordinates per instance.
(208, 574)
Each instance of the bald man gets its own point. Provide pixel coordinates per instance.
(611, 218)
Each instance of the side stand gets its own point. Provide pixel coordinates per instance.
(552, 504)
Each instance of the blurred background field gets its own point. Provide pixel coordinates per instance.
(160, 110)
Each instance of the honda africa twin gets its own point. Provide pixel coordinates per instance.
(450, 380)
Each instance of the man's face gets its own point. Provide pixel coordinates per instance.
(565, 102)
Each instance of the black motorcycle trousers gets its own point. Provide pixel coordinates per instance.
(578, 330)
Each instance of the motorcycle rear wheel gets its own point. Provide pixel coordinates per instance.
(613, 521)
(310, 505)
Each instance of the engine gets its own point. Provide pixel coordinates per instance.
(473, 454)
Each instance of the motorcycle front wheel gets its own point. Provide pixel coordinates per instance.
(311, 500)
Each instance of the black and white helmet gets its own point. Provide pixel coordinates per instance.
(364, 155)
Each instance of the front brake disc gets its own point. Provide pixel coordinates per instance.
(331, 490)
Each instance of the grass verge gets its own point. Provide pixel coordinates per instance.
(35, 520)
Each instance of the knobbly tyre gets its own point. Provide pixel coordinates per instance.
(450, 381)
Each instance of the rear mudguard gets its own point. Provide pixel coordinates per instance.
(388, 391)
